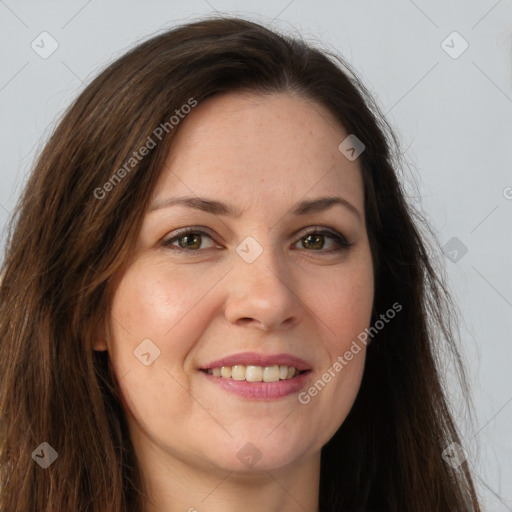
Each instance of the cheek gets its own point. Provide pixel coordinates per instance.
(151, 303)
(332, 393)
(345, 303)
(152, 299)
(152, 314)
(344, 308)
(146, 302)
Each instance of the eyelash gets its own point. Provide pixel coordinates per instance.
(337, 237)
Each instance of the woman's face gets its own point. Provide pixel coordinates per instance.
(256, 288)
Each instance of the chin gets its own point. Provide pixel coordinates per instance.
(260, 454)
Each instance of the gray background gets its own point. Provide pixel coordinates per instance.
(452, 115)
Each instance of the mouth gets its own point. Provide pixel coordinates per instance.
(254, 373)
(254, 367)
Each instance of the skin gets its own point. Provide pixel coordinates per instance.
(262, 154)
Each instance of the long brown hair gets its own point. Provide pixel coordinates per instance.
(72, 233)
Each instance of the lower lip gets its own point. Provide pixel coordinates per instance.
(261, 390)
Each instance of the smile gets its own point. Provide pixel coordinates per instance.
(252, 373)
(260, 390)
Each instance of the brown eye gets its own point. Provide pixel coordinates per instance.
(315, 240)
(192, 241)
(188, 240)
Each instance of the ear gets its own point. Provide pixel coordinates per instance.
(100, 339)
(100, 345)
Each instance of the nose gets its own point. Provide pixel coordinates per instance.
(261, 294)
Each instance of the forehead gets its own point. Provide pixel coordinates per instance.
(255, 147)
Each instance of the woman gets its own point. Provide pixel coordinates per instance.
(215, 296)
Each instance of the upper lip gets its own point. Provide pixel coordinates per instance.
(255, 359)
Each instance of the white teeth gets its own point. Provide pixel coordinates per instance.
(271, 374)
(225, 372)
(253, 373)
(238, 372)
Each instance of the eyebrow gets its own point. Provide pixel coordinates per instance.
(208, 205)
